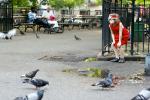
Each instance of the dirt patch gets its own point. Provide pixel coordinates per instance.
(63, 58)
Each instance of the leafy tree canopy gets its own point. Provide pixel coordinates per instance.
(57, 4)
(138, 1)
(21, 3)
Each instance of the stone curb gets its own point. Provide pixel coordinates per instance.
(127, 58)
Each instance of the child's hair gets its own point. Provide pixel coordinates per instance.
(113, 16)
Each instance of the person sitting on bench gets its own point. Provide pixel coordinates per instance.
(49, 14)
(33, 18)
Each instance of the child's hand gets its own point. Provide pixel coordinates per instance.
(113, 42)
(119, 44)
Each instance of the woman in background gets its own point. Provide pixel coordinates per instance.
(49, 14)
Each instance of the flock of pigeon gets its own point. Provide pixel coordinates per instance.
(38, 83)
(108, 83)
(13, 32)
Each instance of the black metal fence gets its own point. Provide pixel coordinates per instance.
(134, 17)
(6, 15)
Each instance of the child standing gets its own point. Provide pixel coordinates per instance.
(120, 36)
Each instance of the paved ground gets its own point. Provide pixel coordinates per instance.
(21, 55)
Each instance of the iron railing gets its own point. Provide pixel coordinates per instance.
(134, 17)
(6, 15)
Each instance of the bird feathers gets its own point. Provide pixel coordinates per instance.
(143, 95)
(8, 35)
(77, 38)
(11, 33)
(39, 82)
(38, 95)
(107, 82)
(21, 98)
(2, 35)
(36, 82)
(30, 74)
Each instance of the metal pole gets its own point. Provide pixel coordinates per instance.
(132, 28)
(12, 11)
(103, 7)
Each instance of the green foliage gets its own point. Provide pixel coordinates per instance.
(69, 3)
(142, 1)
(98, 2)
(95, 72)
(90, 59)
(89, 72)
(79, 2)
(57, 4)
(138, 1)
(21, 3)
(125, 1)
(34, 2)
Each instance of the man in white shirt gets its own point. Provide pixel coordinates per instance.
(49, 14)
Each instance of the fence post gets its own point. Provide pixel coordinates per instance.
(6, 15)
(132, 28)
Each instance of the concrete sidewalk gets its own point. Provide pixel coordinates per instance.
(22, 53)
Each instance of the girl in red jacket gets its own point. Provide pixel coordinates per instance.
(120, 36)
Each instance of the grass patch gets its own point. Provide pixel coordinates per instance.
(89, 72)
(90, 59)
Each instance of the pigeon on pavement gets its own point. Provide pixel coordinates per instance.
(143, 95)
(77, 38)
(36, 82)
(9, 34)
(30, 74)
(21, 98)
(105, 83)
(32, 96)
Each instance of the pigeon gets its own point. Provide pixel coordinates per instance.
(32, 96)
(143, 95)
(77, 38)
(21, 98)
(30, 74)
(36, 82)
(9, 34)
(105, 83)
(2, 35)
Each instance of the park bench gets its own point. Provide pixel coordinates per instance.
(76, 25)
(29, 25)
(21, 21)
